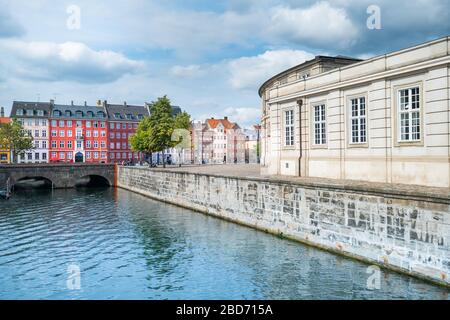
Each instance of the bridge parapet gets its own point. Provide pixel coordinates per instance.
(61, 175)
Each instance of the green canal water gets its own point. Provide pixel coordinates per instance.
(114, 244)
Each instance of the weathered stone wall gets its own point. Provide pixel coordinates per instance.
(412, 236)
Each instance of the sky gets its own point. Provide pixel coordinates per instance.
(208, 56)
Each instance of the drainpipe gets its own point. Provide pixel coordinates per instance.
(300, 104)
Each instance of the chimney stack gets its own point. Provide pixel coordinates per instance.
(52, 102)
(125, 103)
(99, 103)
(71, 103)
(226, 118)
(85, 103)
(2, 112)
(105, 103)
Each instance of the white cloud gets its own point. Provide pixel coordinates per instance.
(243, 116)
(71, 61)
(318, 25)
(188, 71)
(250, 72)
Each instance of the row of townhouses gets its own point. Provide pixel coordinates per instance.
(385, 119)
(74, 133)
(101, 134)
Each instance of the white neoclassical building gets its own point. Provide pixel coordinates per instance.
(385, 119)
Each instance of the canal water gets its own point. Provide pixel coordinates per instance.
(114, 244)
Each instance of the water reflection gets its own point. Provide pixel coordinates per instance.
(131, 247)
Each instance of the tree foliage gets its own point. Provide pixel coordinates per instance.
(181, 136)
(161, 124)
(15, 138)
(141, 140)
(154, 133)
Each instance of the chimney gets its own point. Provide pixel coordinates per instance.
(2, 112)
(99, 103)
(212, 118)
(225, 118)
(71, 103)
(85, 103)
(105, 103)
(124, 103)
(52, 102)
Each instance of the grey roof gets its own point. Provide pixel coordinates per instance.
(317, 59)
(73, 112)
(118, 112)
(176, 110)
(124, 112)
(30, 106)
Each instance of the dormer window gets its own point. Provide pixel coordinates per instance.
(56, 113)
(140, 116)
(19, 112)
(129, 116)
(30, 112)
(68, 113)
(40, 113)
(101, 114)
(79, 114)
(90, 114)
(117, 115)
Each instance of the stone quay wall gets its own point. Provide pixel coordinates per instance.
(406, 235)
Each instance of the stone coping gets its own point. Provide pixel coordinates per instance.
(398, 191)
(45, 165)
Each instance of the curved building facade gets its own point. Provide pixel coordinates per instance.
(385, 119)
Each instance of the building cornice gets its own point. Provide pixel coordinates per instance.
(415, 68)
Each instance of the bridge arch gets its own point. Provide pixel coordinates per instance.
(92, 180)
(61, 175)
(32, 182)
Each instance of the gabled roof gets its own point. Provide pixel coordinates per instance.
(213, 123)
(5, 120)
(30, 106)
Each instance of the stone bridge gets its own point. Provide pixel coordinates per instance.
(60, 175)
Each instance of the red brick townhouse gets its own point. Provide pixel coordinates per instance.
(78, 134)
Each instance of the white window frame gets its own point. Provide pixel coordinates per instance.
(408, 106)
(358, 120)
(289, 128)
(319, 124)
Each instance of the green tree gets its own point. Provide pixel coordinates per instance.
(181, 136)
(161, 130)
(15, 138)
(161, 125)
(141, 141)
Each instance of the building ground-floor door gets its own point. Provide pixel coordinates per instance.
(79, 157)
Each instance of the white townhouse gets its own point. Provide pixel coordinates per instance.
(385, 119)
(34, 118)
(218, 141)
